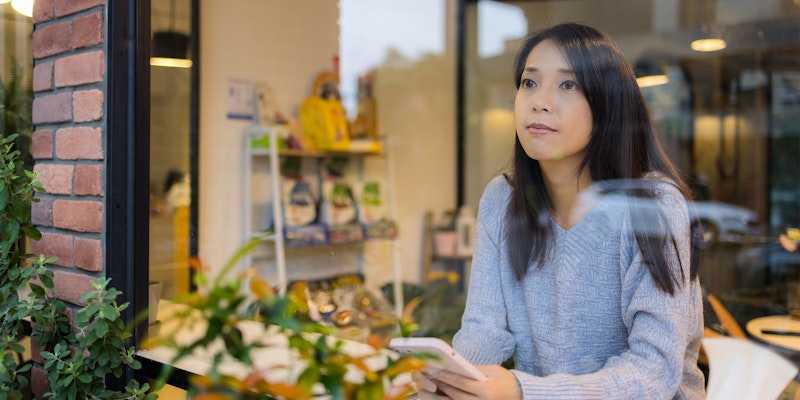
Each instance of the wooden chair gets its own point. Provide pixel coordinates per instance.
(725, 318)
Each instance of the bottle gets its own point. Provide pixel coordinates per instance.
(465, 229)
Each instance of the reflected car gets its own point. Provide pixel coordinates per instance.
(720, 222)
(723, 222)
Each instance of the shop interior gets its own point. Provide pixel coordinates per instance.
(384, 147)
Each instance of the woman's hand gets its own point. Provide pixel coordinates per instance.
(500, 385)
(426, 388)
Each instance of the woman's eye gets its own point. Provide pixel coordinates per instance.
(569, 85)
(528, 83)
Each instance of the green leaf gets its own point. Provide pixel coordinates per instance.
(86, 314)
(47, 280)
(309, 377)
(3, 196)
(37, 290)
(32, 232)
(108, 312)
(100, 328)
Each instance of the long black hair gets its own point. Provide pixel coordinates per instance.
(623, 145)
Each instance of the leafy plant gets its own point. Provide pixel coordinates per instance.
(16, 195)
(79, 363)
(224, 303)
(76, 363)
(13, 372)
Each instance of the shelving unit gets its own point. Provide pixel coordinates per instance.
(278, 237)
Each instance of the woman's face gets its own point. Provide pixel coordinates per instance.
(551, 114)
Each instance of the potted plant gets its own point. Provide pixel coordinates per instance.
(224, 302)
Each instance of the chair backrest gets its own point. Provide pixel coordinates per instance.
(725, 318)
(741, 369)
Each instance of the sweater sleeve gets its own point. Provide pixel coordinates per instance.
(659, 326)
(484, 337)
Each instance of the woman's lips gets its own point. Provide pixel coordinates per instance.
(539, 129)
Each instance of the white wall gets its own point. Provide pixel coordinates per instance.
(286, 44)
(283, 44)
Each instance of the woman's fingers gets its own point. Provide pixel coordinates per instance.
(423, 383)
(425, 395)
(457, 381)
(455, 393)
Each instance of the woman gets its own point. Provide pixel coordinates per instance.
(591, 301)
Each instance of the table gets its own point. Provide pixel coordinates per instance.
(777, 322)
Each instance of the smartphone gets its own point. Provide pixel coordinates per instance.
(448, 359)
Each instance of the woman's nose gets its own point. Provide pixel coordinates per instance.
(541, 102)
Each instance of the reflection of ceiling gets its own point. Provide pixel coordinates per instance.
(630, 16)
(663, 29)
(160, 14)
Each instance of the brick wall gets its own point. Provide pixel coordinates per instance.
(68, 142)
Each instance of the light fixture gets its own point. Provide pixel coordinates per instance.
(649, 73)
(708, 44)
(709, 34)
(170, 62)
(652, 80)
(170, 47)
(24, 7)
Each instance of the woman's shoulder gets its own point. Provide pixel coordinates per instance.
(666, 189)
(494, 203)
(497, 193)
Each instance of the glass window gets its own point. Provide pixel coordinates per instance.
(16, 74)
(353, 204)
(171, 148)
(720, 79)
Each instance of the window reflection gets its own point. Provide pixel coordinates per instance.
(727, 117)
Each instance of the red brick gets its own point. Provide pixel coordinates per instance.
(78, 215)
(87, 30)
(42, 144)
(69, 286)
(42, 212)
(88, 254)
(56, 245)
(36, 353)
(43, 76)
(38, 378)
(87, 105)
(43, 10)
(52, 39)
(88, 180)
(56, 178)
(80, 68)
(79, 143)
(64, 7)
(52, 108)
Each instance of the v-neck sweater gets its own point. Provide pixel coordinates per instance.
(589, 322)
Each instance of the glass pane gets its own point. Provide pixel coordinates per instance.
(16, 74)
(170, 149)
(384, 72)
(727, 118)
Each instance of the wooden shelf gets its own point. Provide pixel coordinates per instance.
(315, 154)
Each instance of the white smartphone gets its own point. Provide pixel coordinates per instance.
(448, 359)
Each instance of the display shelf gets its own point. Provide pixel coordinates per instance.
(262, 152)
(264, 135)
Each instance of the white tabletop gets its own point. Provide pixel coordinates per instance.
(265, 359)
(776, 322)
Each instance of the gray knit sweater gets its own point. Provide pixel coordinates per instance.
(590, 323)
